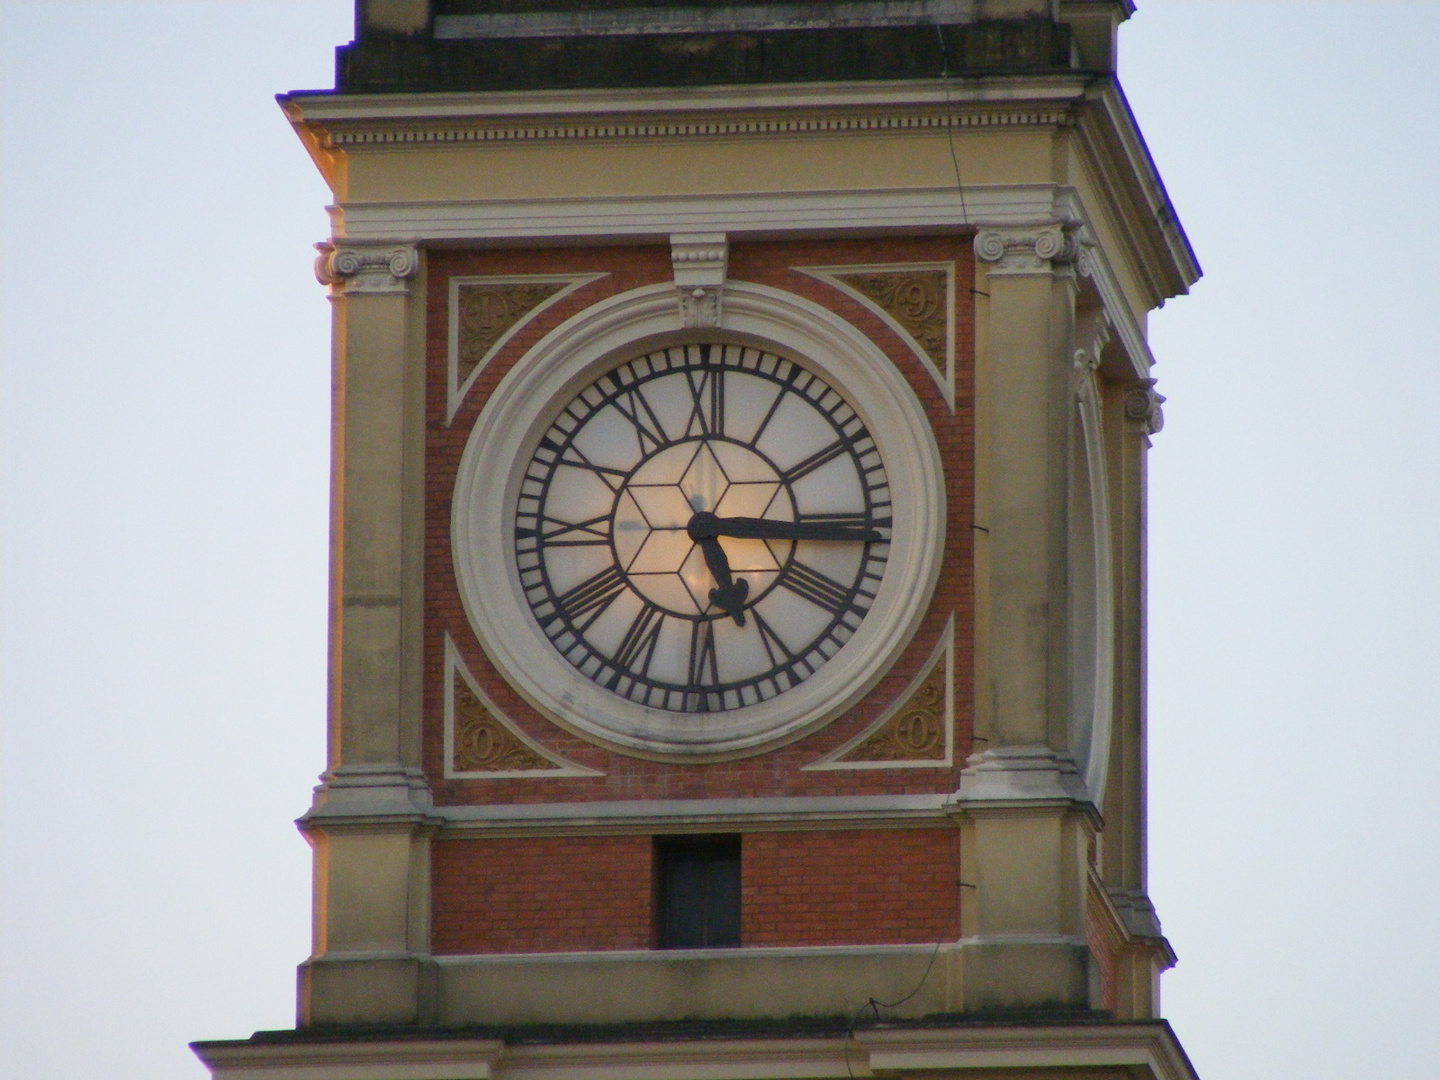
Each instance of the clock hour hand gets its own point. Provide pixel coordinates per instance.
(705, 524)
(729, 594)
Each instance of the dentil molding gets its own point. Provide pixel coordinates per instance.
(366, 268)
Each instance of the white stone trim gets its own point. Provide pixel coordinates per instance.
(1006, 776)
(740, 215)
(366, 268)
(699, 261)
(1018, 250)
(1092, 590)
(455, 664)
(455, 390)
(1133, 1047)
(943, 379)
(570, 357)
(646, 816)
(1143, 407)
(944, 648)
(743, 216)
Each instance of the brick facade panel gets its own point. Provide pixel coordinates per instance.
(547, 894)
(558, 894)
(779, 772)
(844, 887)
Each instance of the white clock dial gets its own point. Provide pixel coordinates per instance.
(698, 548)
(703, 527)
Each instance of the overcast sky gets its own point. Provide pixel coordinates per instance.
(163, 504)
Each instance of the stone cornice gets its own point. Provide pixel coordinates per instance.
(364, 135)
(1109, 136)
(1145, 1050)
(370, 797)
(698, 815)
(398, 119)
(1016, 777)
(1094, 107)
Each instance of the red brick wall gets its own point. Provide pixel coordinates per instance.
(850, 887)
(779, 772)
(1102, 955)
(542, 894)
(556, 894)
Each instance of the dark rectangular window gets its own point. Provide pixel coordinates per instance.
(699, 884)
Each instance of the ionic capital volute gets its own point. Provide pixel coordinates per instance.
(1142, 407)
(365, 268)
(1028, 249)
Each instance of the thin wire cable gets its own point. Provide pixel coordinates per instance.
(949, 123)
(876, 1005)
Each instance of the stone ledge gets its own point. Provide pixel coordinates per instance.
(1054, 1046)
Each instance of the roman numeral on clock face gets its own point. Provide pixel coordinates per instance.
(776, 650)
(635, 407)
(822, 591)
(583, 604)
(707, 393)
(637, 648)
(704, 673)
(823, 456)
(555, 533)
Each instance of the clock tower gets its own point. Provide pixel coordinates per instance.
(738, 546)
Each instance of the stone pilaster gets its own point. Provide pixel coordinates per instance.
(368, 825)
(1133, 415)
(1026, 821)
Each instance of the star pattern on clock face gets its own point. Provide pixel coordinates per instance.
(702, 528)
(654, 511)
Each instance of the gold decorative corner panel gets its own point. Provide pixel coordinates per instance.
(919, 731)
(918, 302)
(480, 742)
(916, 732)
(486, 312)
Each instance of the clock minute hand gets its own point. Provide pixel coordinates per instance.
(748, 528)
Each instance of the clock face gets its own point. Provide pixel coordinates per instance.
(702, 528)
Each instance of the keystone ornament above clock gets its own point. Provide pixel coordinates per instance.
(687, 546)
